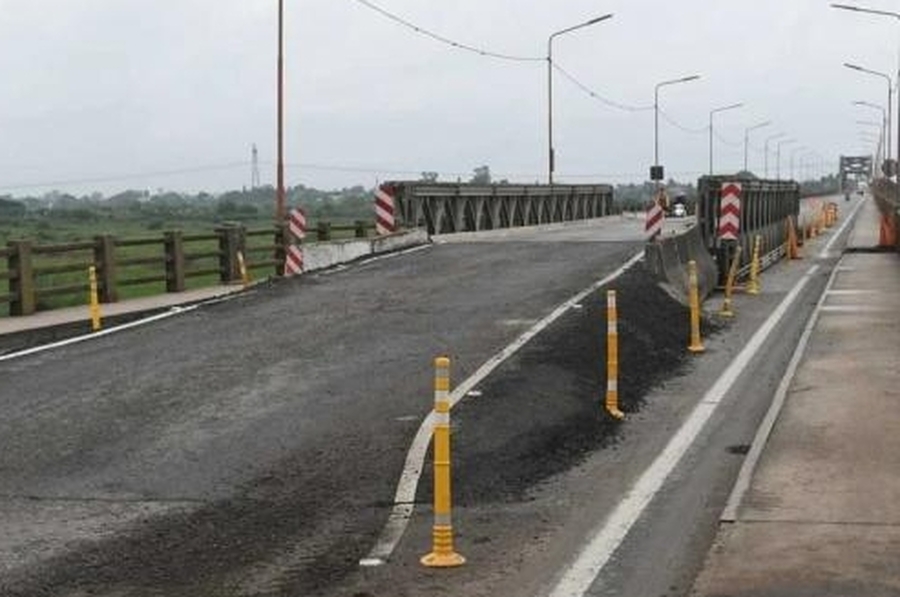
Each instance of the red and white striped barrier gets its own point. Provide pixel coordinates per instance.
(654, 222)
(385, 222)
(730, 211)
(297, 223)
(293, 262)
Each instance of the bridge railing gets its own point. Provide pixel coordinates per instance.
(47, 276)
(444, 208)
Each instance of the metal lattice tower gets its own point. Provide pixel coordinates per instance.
(254, 174)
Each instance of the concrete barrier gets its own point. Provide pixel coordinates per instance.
(667, 259)
(318, 256)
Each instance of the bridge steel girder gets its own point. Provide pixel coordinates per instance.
(456, 207)
(765, 208)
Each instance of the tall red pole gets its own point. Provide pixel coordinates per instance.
(279, 192)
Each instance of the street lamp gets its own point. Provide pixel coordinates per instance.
(883, 120)
(890, 87)
(778, 156)
(747, 132)
(771, 138)
(550, 154)
(794, 152)
(716, 111)
(656, 172)
(895, 15)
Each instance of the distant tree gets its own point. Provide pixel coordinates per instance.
(11, 209)
(482, 175)
(429, 177)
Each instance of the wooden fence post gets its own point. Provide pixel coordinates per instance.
(360, 231)
(175, 265)
(105, 262)
(281, 241)
(231, 240)
(21, 281)
(323, 231)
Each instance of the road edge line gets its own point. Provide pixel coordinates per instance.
(405, 495)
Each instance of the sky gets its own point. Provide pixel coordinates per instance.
(107, 95)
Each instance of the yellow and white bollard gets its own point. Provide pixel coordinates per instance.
(727, 310)
(694, 293)
(242, 266)
(612, 357)
(94, 299)
(442, 554)
(753, 283)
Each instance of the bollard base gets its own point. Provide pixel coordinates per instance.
(696, 348)
(615, 413)
(443, 560)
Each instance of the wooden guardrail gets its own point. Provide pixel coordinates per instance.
(39, 277)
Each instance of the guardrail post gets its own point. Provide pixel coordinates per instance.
(175, 264)
(105, 262)
(21, 281)
(360, 230)
(231, 241)
(281, 242)
(323, 231)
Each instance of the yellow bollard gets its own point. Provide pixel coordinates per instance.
(612, 357)
(753, 283)
(442, 554)
(94, 299)
(242, 266)
(696, 343)
(727, 310)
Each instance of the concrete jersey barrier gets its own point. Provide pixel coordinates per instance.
(318, 256)
(667, 259)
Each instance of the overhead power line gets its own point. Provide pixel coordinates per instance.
(446, 40)
(597, 96)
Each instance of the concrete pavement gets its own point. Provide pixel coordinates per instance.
(821, 514)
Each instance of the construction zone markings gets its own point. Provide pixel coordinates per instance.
(578, 577)
(404, 498)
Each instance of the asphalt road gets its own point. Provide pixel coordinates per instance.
(252, 447)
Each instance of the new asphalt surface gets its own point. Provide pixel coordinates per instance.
(252, 447)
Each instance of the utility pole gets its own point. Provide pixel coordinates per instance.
(254, 171)
(279, 190)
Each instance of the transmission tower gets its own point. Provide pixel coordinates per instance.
(254, 174)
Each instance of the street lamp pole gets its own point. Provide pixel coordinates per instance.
(884, 118)
(890, 87)
(711, 113)
(747, 132)
(279, 190)
(778, 156)
(551, 161)
(894, 15)
(656, 119)
(766, 151)
(794, 152)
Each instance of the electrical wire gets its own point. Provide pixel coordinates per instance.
(597, 96)
(446, 40)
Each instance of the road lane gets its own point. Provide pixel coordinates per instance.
(254, 445)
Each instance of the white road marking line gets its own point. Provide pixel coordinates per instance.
(850, 292)
(405, 495)
(824, 253)
(120, 328)
(742, 484)
(581, 574)
(854, 309)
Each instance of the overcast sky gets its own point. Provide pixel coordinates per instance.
(103, 89)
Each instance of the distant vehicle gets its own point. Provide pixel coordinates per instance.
(679, 211)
